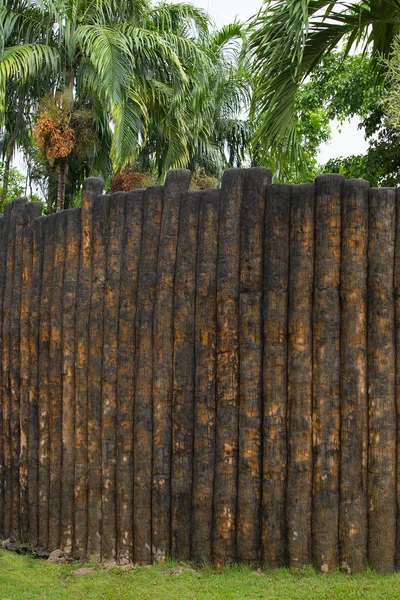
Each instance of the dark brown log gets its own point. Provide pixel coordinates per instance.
(55, 379)
(31, 210)
(92, 188)
(14, 373)
(115, 237)
(72, 244)
(299, 475)
(184, 377)
(396, 281)
(44, 366)
(353, 526)
(3, 251)
(227, 416)
(326, 372)
(276, 288)
(96, 326)
(205, 373)
(34, 330)
(251, 353)
(126, 367)
(11, 211)
(176, 183)
(381, 382)
(144, 376)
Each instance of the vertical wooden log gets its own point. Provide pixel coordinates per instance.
(205, 374)
(396, 281)
(353, 526)
(92, 187)
(126, 366)
(96, 327)
(184, 374)
(72, 243)
(381, 382)
(31, 210)
(251, 352)
(326, 372)
(14, 373)
(227, 416)
(176, 183)
(115, 236)
(3, 252)
(276, 289)
(55, 379)
(34, 330)
(10, 216)
(144, 375)
(299, 475)
(44, 366)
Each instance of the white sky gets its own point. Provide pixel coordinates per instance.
(349, 140)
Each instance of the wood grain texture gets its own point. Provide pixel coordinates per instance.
(14, 366)
(381, 382)
(34, 341)
(11, 212)
(44, 366)
(353, 525)
(92, 188)
(276, 289)
(31, 210)
(299, 475)
(205, 374)
(250, 373)
(95, 363)
(326, 371)
(55, 379)
(396, 281)
(184, 377)
(115, 236)
(227, 411)
(163, 342)
(4, 225)
(69, 293)
(143, 409)
(125, 379)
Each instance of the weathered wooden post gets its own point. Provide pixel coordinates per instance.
(69, 299)
(276, 288)
(176, 183)
(143, 383)
(184, 377)
(299, 476)
(92, 188)
(353, 526)
(227, 415)
(381, 382)
(126, 367)
(205, 375)
(250, 366)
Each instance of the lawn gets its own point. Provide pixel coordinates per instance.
(25, 578)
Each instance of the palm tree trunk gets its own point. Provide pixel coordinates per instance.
(7, 165)
(61, 184)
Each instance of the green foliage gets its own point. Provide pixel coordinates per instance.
(22, 578)
(290, 40)
(16, 183)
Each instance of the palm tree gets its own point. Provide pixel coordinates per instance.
(124, 59)
(289, 40)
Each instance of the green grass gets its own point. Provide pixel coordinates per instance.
(25, 578)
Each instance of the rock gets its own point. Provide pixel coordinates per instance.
(325, 568)
(83, 571)
(56, 556)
